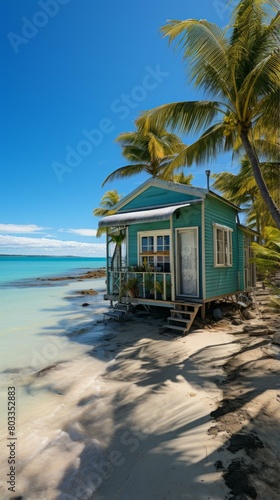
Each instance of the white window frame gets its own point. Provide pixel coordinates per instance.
(158, 232)
(227, 249)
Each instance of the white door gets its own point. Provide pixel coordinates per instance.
(187, 262)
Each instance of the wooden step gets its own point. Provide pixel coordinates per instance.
(174, 327)
(182, 313)
(187, 304)
(191, 304)
(190, 309)
(180, 320)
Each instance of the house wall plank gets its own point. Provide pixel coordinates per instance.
(220, 280)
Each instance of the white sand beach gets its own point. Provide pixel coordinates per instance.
(140, 413)
(133, 419)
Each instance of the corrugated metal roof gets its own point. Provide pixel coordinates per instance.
(156, 214)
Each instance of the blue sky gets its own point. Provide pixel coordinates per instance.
(73, 69)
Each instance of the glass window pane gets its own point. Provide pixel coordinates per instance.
(147, 244)
(230, 249)
(159, 243)
(163, 243)
(144, 243)
(166, 242)
(220, 246)
(226, 247)
(151, 243)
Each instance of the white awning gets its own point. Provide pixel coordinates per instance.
(156, 214)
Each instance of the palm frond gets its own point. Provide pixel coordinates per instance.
(108, 201)
(268, 111)
(155, 147)
(266, 148)
(205, 149)
(126, 171)
(182, 178)
(261, 81)
(189, 116)
(202, 42)
(101, 212)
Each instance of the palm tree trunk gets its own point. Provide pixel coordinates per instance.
(272, 207)
(116, 258)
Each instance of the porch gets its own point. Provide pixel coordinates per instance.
(149, 289)
(138, 285)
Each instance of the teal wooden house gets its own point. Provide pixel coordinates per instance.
(177, 246)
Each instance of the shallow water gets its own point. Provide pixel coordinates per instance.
(46, 340)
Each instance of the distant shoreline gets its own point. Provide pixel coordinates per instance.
(96, 274)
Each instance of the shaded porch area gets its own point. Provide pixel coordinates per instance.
(153, 286)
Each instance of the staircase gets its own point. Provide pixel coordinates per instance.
(119, 312)
(182, 316)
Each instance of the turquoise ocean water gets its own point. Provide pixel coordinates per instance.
(15, 268)
(29, 307)
(43, 324)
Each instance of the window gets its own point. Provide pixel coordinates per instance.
(222, 246)
(154, 248)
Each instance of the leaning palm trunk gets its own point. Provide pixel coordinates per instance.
(242, 190)
(272, 207)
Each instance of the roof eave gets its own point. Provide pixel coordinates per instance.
(224, 200)
(248, 230)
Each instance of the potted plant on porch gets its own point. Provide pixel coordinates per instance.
(149, 284)
(160, 290)
(132, 286)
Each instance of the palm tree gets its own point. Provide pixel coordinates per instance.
(150, 151)
(106, 207)
(267, 256)
(181, 178)
(116, 236)
(238, 67)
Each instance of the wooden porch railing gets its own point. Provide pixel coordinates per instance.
(150, 285)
